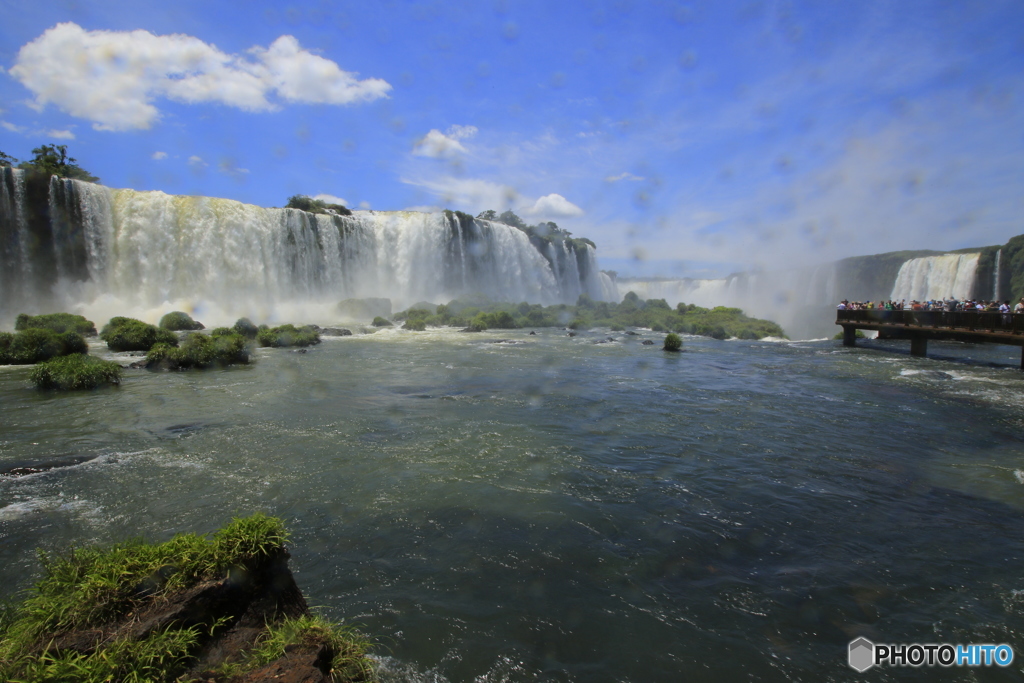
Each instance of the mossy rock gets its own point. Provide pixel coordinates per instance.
(287, 335)
(56, 322)
(246, 328)
(381, 322)
(178, 321)
(76, 371)
(129, 334)
(34, 345)
(222, 347)
(416, 325)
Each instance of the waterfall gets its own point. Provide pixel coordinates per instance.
(141, 250)
(995, 283)
(936, 277)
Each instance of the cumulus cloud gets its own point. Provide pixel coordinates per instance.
(553, 206)
(159, 155)
(113, 77)
(196, 161)
(7, 125)
(458, 132)
(331, 199)
(437, 145)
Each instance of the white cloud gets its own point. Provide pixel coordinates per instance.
(113, 77)
(159, 155)
(553, 206)
(623, 176)
(472, 193)
(11, 127)
(364, 205)
(58, 134)
(331, 199)
(436, 145)
(196, 161)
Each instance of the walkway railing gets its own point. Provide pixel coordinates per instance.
(972, 321)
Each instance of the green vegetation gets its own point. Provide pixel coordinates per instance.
(380, 321)
(76, 371)
(35, 345)
(673, 342)
(481, 314)
(91, 588)
(57, 322)
(246, 328)
(129, 334)
(51, 160)
(416, 325)
(540, 234)
(221, 347)
(858, 335)
(179, 320)
(304, 203)
(350, 648)
(287, 335)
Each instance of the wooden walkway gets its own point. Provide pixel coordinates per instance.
(977, 327)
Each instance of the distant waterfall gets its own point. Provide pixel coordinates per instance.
(73, 242)
(995, 280)
(936, 277)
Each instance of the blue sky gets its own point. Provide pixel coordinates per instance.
(684, 138)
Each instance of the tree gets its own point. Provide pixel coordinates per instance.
(304, 203)
(509, 218)
(54, 160)
(488, 215)
(6, 160)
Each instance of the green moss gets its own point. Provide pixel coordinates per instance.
(35, 345)
(416, 324)
(381, 322)
(129, 334)
(673, 342)
(75, 372)
(57, 322)
(288, 335)
(222, 347)
(177, 321)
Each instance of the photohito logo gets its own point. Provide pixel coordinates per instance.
(863, 654)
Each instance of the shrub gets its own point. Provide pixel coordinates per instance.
(76, 372)
(381, 322)
(223, 347)
(673, 342)
(179, 320)
(417, 325)
(288, 335)
(246, 328)
(57, 322)
(129, 334)
(35, 345)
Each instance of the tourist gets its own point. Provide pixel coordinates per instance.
(1019, 308)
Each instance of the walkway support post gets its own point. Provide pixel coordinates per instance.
(850, 335)
(918, 346)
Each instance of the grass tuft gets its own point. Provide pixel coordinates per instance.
(75, 372)
(129, 334)
(179, 320)
(222, 347)
(56, 322)
(287, 335)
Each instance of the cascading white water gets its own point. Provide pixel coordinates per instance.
(936, 277)
(145, 249)
(995, 282)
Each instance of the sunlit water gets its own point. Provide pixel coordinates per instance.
(560, 509)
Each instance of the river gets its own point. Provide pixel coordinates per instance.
(506, 507)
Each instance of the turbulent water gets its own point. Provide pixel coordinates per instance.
(949, 276)
(106, 250)
(525, 508)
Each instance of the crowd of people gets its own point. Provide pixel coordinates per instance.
(948, 305)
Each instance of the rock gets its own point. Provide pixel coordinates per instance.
(572, 334)
(335, 332)
(21, 469)
(532, 333)
(300, 351)
(631, 333)
(647, 342)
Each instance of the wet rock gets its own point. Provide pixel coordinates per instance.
(24, 468)
(532, 333)
(631, 333)
(647, 342)
(572, 334)
(335, 332)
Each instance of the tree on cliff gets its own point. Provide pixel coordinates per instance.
(304, 203)
(6, 160)
(54, 160)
